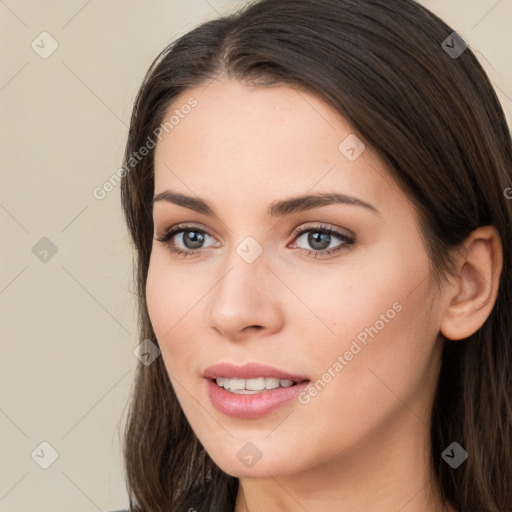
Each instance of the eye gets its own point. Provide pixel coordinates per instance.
(190, 238)
(187, 240)
(320, 239)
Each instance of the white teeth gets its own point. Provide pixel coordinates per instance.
(258, 384)
(251, 386)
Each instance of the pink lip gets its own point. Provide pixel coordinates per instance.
(251, 406)
(254, 405)
(249, 371)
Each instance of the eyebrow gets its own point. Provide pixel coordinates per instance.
(275, 209)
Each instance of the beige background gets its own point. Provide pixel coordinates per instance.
(68, 326)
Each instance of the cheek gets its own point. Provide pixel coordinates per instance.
(157, 297)
(385, 339)
(173, 302)
(374, 312)
(168, 296)
(344, 301)
(167, 305)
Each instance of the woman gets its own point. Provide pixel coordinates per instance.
(316, 193)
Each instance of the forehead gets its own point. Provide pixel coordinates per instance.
(271, 141)
(249, 117)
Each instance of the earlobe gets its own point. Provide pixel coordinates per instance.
(474, 294)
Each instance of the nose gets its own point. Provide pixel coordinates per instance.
(245, 301)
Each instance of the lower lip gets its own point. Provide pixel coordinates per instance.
(254, 405)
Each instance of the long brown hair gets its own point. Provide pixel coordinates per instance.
(435, 119)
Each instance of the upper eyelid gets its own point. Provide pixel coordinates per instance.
(323, 226)
(178, 228)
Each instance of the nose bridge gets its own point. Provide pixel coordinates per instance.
(245, 265)
(241, 298)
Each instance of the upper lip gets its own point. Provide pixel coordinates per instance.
(249, 371)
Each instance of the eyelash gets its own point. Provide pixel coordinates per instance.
(347, 240)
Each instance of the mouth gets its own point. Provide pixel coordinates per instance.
(254, 385)
(251, 376)
(252, 390)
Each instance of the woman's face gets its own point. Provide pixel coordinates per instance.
(352, 310)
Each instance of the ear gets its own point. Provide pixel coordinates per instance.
(474, 294)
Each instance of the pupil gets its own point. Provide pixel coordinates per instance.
(316, 237)
(194, 237)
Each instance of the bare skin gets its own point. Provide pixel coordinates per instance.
(362, 443)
